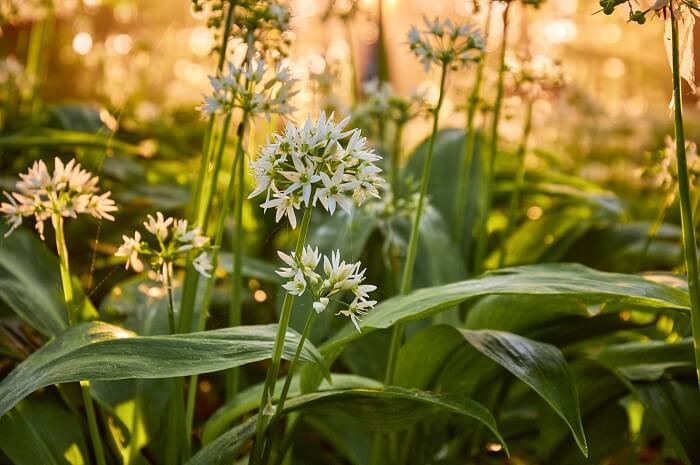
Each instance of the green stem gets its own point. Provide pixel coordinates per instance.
(353, 63)
(287, 384)
(689, 243)
(469, 144)
(407, 276)
(273, 370)
(652, 232)
(482, 238)
(396, 164)
(168, 287)
(67, 283)
(218, 239)
(514, 202)
(92, 423)
(236, 308)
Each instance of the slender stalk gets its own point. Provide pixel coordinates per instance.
(218, 239)
(287, 384)
(68, 295)
(689, 243)
(353, 63)
(206, 181)
(482, 238)
(273, 370)
(168, 288)
(407, 275)
(514, 202)
(469, 143)
(236, 309)
(92, 423)
(396, 163)
(652, 232)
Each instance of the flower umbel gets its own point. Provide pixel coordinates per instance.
(67, 192)
(312, 163)
(446, 44)
(337, 276)
(175, 240)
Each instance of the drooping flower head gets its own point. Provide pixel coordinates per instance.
(335, 277)
(444, 43)
(174, 241)
(67, 192)
(253, 87)
(317, 162)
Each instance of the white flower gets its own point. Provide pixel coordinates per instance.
(311, 163)
(296, 286)
(444, 43)
(321, 304)
(357, 309)
(131, 249)
(175, 241)
(203, 265)
(68, 192)
(158, 226)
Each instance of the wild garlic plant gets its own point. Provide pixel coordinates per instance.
(174, 241)
(528, 79)
(449, 46)
(317, 163)
(67, 192)
(679, 18)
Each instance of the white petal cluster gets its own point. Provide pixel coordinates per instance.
(175, 240)
(68, 191)
(446, 43)
(254, 88)
(317, 162)
(663, 167)
(382, 102)
(533, 76)
(335, 277)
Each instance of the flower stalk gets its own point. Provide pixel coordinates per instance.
(689, 242)
(482, 238)
(515, 195)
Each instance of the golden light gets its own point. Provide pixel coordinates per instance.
(205, 386)
(82, 43)
(611, 33)
(121, 43)
(534, 213)
(614, 68)
(260, 296)
(494, 447)
(560, 31)
(201, 41)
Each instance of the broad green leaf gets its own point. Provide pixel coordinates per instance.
(249, 399)
(30, 284)
(389, 409)
(647, 361)
(342, 231)
(99, 351)
(565, 280)
(540, 366)
(252, 268)
(42, 431)
(54, 138)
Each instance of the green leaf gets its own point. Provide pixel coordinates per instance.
(540, 366)
(99, 351)
(342, 231)
(568, 280)
(249, 399)
(30, 284)
(55, 138)
(252, 268)
(389, 409)
(647, 361)
(42, 431)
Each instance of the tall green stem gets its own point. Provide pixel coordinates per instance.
(287, 384)
(71, 309)
(218, 239)
(235, 311)
(396, 163)
(273, 370)
(482, 239)
(689, 243)
(407, 275)
(355, 88)
(514, 202)
(469, 144)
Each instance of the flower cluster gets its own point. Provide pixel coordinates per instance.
(175, 241)
(310, 163)
(263, 21)
(663, 169)
(337, 277)
(533, 76)
(252, 87)
(382, 102)
(446, 44)
(67, 192)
